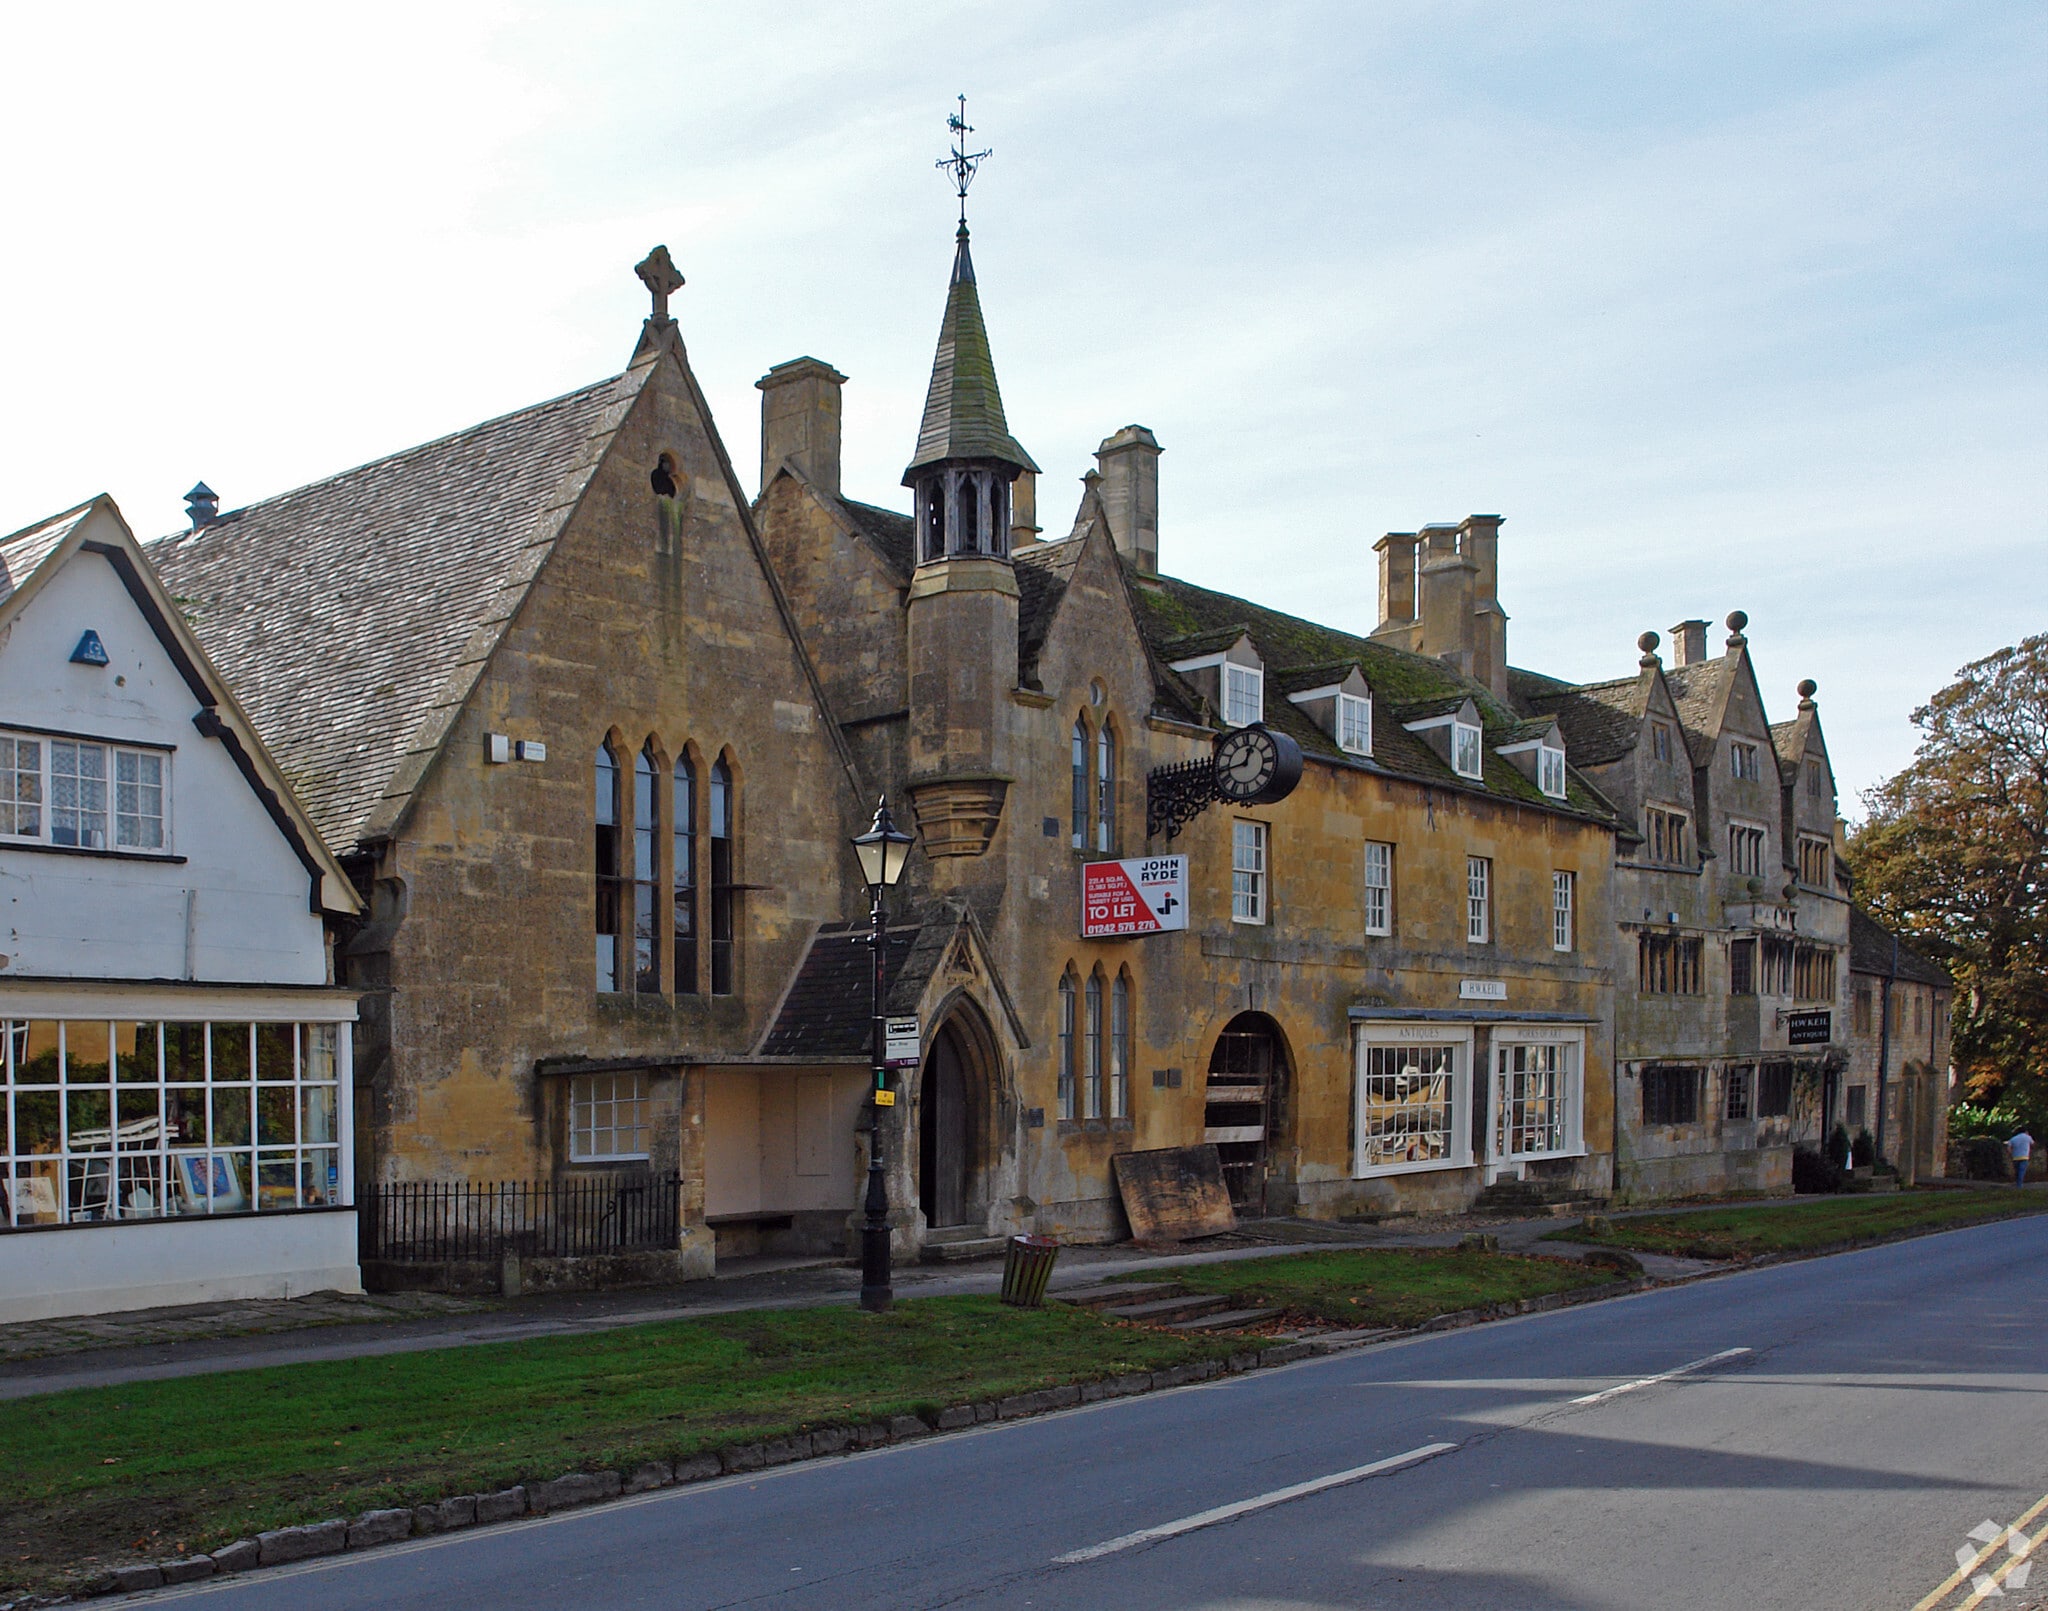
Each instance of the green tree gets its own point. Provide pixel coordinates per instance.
(1955, 854)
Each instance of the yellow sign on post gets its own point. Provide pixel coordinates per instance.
(885, 1099)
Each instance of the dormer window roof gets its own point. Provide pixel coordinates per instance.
(1335, 697)
(1454, 731)
(1537, 748)
(1238, 688)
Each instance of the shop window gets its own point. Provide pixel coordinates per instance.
(1535, 1099)
(103, 1122)
(1411, 1106)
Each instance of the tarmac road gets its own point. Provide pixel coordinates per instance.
(1833, 1431)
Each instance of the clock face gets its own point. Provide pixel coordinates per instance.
(1245, 763)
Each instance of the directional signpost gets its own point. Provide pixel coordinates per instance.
(1147, 896)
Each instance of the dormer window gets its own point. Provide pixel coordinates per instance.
(1550, 771)
(1465, 751)
(1244, 695)
(1354, 724)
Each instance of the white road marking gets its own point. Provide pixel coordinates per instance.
(1661, 1376)
(1244, 1507)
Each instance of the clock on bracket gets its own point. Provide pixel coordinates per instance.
(1256, 766)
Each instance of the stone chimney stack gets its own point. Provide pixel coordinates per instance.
(1688, 643)
(1445, 600)
(1397, 577)
(1479, 541)
(800, 421)
(1024, 527)
(1130, 495)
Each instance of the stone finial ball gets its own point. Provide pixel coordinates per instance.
(1737, 620)
(1808, 688)
(1648, 642)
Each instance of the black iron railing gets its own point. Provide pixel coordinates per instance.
(437, 1221)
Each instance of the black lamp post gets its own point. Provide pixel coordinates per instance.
(883, 850)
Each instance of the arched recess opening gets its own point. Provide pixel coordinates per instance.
(955, 1120)
(1247, 1104)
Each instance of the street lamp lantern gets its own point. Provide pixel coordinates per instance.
(883, 851)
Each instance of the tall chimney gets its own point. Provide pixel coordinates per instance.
(1024, 528)
(1444, 599)
(1688, 643)
(800, 421)
(1397, 577)
(1130, 495)
(1479, 541)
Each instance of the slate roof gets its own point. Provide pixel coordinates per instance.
(351, 616)
(1697, 690)
(824, 1013)
(1174, 612)
(1870, 951)
(1602, 721)
(1043, 571)
(21, 553)
(887, 530)
(963, 410)
(1785, 739)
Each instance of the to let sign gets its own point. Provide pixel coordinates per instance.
(1809, 1028)
(1148, 896)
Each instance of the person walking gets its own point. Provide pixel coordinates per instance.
(2021, 1147)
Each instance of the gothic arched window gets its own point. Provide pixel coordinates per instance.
(607, 814)
(1094, 1051)
(646, 822)
(1070, 1051)
(1080, 801)
(724, 893)
(683, 874)
(1120, 1046)
(1105, 790)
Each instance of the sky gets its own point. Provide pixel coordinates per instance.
(1722, 306)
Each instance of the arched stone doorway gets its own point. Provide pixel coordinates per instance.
(955, 1103)
(1247, 1105)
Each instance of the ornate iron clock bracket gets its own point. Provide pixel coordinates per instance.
(1175, 795)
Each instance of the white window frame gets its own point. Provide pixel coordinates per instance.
(1570, 1091)
(1249, 871)
(1550, 771)
(584, 1108)
(1379, 887)
(1354, 724)
(111, 786)
(1564, 915)
(1244, 689)
(1478, 900)
(1468, 750)
(205, 1142)
(1365, 1083)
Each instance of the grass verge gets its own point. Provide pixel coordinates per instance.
(100, 1477)
(1383, 1286)
(1733, 1233)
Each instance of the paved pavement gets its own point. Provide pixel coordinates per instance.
(1833, 1431)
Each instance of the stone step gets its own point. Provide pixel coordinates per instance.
(1161, 1310)
(1120, 1292)
(1224, 1320)
(956, 1251)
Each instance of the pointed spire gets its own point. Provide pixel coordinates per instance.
(963, 410)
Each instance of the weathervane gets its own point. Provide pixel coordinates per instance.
(963, 163)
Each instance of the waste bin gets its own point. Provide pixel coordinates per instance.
(1027, 1266)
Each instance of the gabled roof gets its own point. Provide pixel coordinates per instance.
(30, 558)
(354, 614)
(1870, 951)
(1043, 572)
(1700, 691)
(892, 533)
(1601, 721)
(963, 409)
(1789, 741)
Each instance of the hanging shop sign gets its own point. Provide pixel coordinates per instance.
(1146, 896)
(1809, 1028)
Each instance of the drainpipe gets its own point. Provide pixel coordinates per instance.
(1884, 1050)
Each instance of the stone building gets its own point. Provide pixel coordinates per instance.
(1393, 982)
(1899, 1006)
(1731, 914)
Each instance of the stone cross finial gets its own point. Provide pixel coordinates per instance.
(658, 272)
